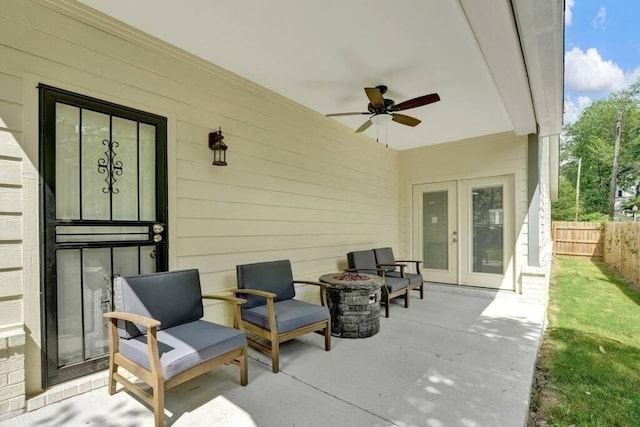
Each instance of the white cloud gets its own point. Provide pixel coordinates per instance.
(572, 110)
(601, 17)
(588, 72)
(568, 12)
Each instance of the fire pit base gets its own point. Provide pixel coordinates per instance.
(354, 303)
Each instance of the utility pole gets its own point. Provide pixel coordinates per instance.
(578, 189)
(614, 173)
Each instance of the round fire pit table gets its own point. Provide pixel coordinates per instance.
(354, 304)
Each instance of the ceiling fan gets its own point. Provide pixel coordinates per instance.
(383, 110)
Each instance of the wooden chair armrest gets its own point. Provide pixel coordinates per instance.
(270, 297)
(309, 282)
(147, 322)
(402, 267)
(227, 298)
(417, 263)
(265, 294)
(393, 265)
(323, 289)
(152, 342)
(237, 302)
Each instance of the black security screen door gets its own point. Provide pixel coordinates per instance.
(103, 169)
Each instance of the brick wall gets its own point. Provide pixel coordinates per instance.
(12, 386)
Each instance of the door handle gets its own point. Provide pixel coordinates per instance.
(157, 229)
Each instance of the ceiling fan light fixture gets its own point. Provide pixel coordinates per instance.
(382, 119)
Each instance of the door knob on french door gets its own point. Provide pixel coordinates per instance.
(157, 229)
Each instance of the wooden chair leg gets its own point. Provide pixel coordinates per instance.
(158, 403)
(422, 290)
(112, 370)
(327, 337)
(244, 379)
(406, 298)
(386, 306)
(275, 355)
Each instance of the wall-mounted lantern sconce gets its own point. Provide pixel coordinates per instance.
(219, 148)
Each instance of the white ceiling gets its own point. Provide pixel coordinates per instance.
(322, 54)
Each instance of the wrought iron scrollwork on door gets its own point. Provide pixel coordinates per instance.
(110, 166)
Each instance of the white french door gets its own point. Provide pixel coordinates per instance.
(463, 231)
(435, 218)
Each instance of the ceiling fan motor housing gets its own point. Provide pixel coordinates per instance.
(381, 109)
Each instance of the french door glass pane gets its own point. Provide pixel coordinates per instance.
(95, 139)
(125, 261)
(96, 268)
(488, 223)
(147, 259)
(435, 229)
(67, 161)
(69, 296)
(125, 180)
(147, 172)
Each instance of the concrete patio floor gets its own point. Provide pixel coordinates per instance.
(460, 357)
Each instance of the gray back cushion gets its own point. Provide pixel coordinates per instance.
(172, 297)
(385, 256)
(271, 276)
(362, 260)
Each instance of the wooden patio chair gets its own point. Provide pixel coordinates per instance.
(271, 315)
(396, 268)
(157, 335)
(394, 287)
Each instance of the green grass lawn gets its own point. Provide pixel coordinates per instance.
(588, 370)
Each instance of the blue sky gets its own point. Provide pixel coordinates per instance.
(602, 50)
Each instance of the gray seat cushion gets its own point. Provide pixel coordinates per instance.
(413, 277)
(184, 346)
(172, 297)
(271, 276)
(396, 283)
(290, 314)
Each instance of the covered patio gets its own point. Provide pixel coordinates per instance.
(460, 357)
(108, 111)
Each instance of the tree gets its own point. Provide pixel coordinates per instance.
(592, 138)
(564, 209)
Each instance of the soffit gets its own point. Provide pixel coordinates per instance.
(322, 54)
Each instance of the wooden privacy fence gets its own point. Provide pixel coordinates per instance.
(616, 243)
(578, 239)
(622, 243)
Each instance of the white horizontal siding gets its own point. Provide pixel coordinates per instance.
(10, 199)
(11, 258)
(11, 191)
(10, 227)
(10, 284)
(298, 186)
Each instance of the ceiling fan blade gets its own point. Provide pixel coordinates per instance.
(345, 114)
(364, 126)
(405, 120)
(416, 102)
(374, 95)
